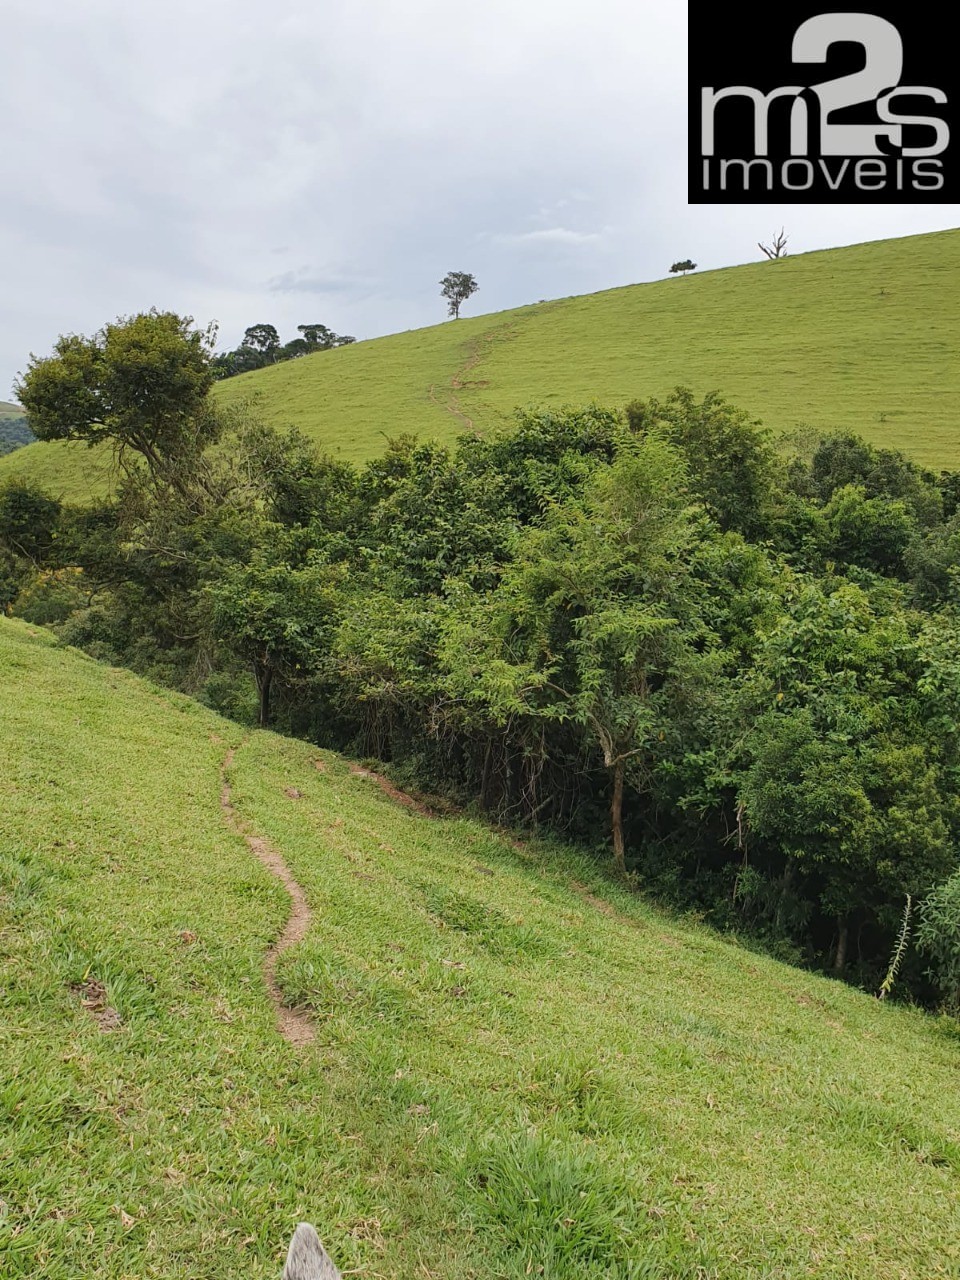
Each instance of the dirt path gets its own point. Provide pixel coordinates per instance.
(452, 406)
(476, 349)
(293, 1024)
(387, 787)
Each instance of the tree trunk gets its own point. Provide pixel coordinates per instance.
(264, 677)
(485, 779)
(840, 957)
(616, 817)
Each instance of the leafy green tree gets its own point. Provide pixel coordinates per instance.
(287, 474)
(589, 624)
(141, 383)
(843, 459)
(317, 336)
(264, 340)
(938, 937)
(683, 267)
(29, 520)
(732, 466)
(871, 532)
(295, 349)
(14, 434)
(836, 773)
(457, 287)
(276, 618)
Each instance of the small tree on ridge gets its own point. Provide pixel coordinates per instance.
(457, 287)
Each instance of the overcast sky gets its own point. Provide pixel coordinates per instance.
(329, 161)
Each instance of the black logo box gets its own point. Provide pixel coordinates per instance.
(731, 49)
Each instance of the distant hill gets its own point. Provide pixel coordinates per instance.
(14, 432)
(864, 338)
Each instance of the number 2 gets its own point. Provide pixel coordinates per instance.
(884, 49)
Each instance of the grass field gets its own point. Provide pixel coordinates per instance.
(863, 338)
(519, 1067)
(8, 411)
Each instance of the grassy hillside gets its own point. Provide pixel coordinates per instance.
(863, 338)
(519, 1068)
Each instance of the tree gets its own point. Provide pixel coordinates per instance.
(294, 349)
(317, 336)
(264, 339)
(838, 781)
(457, 287)
(731, 465)
(777, 247)
(683, 267)
(29, 519)
(141, 383)
(276, 618)
(591, 623)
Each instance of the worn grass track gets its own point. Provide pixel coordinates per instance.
(517, 1064)
(865, 338)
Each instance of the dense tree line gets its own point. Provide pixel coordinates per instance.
(735, 667)
(261, 346)
(14, 434)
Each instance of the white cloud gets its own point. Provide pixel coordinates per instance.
(550, 236)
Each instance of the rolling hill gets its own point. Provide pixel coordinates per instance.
(517, 1067)
(863, 338)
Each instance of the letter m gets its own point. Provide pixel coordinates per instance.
(761, 110)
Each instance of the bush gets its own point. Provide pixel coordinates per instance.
(51, 597)
(231, 694)
(938, 937)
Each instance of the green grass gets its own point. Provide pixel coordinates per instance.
(8, 410)
(862, 339)
(520, 1068)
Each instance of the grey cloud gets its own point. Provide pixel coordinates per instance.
(301, 280)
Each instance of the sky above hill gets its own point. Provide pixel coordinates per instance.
(329, 162)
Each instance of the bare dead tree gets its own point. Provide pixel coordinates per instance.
(778, 247)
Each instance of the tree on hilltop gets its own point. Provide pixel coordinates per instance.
(683, 267)
(457, 287)
(264, 339)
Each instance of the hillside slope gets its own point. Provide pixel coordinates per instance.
(865, 338)
(518, 1067)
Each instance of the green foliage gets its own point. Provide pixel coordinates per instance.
(938, 937)
(140, 383)
(29, 520)
(275, 618)
(558, 1210)
(51, 597)
(731, 465)
(14, 432)
(261, 347)
(457, 287)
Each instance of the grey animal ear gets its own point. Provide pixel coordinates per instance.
(307, 1259)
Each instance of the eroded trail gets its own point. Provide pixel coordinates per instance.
(293, 1024)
